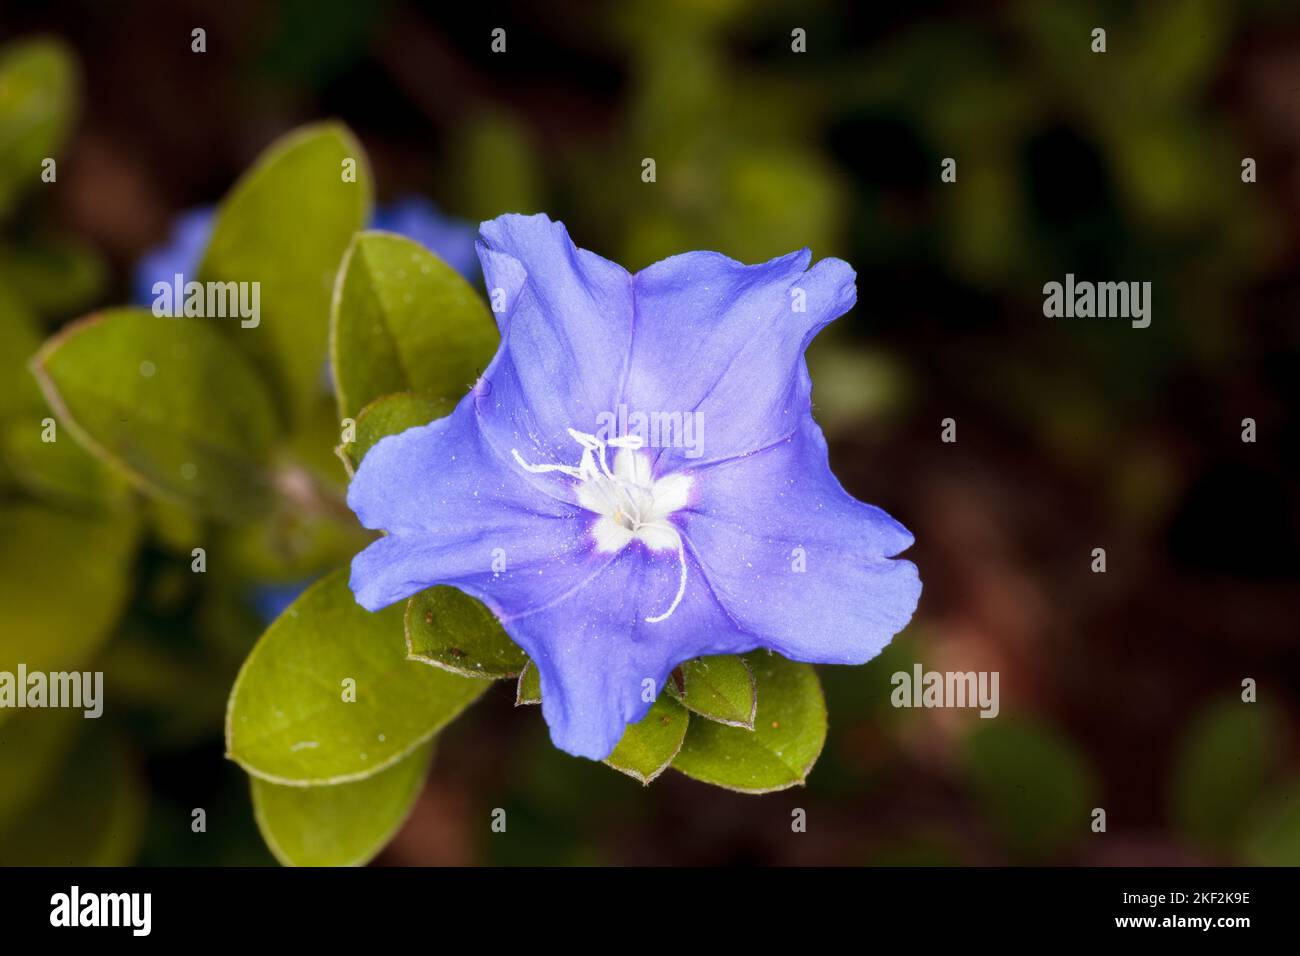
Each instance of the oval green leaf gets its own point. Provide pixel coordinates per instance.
(169, 401)
(719, 688)
(449, 629)
(33, 744)
(57, 275)
(38, 100)
(61, 472)
(390, 415)
(1272, 836)
(290, 720)
(1230, 756)
(404, 320)
(649, 746)
(92, 813)
(1035, 786)
(64, 579)
(286, 225)
(789, 731)
(342, 825)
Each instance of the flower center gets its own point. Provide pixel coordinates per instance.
(632, 504)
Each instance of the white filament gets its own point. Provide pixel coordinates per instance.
(631, 504)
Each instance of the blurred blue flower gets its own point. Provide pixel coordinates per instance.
(179, 254)
(451, 240)
(612, 550)
(271, 600)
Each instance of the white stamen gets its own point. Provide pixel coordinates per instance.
(543, 469)
(681, 585)
(631, 507)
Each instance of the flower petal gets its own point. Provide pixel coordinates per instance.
(723, 343)
(445, 478)
(544, 561)
(454, 512)
(566, 323)
(796, 560)
(594, 650)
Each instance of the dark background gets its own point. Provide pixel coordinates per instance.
(1119, 690)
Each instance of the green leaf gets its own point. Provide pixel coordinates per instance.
(789, 731)
(1186, 39)
(529, 688)
(19, 341)
(404, 320)
(342, 825)
(449, 629)
(171, 402)
(92, 813)
(296, 544)
(1035, 787)
(1229, 757)
(175, 529)
(56, 275)
(64, 579)
(719, 688)
(33, 744)
(286, 225)
(176, 690)
(390, 415)
(649, 745)
(1273, 836)
(38, 99)
(288, 720)
(61, 472)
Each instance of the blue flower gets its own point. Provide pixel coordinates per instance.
(272, 600)
(179, 254)
(609, 553)
(451, 240)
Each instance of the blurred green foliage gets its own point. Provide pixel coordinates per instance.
(1035, 787)
(39, 84)
(1230, 758)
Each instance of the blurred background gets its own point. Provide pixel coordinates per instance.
(1119, 690)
